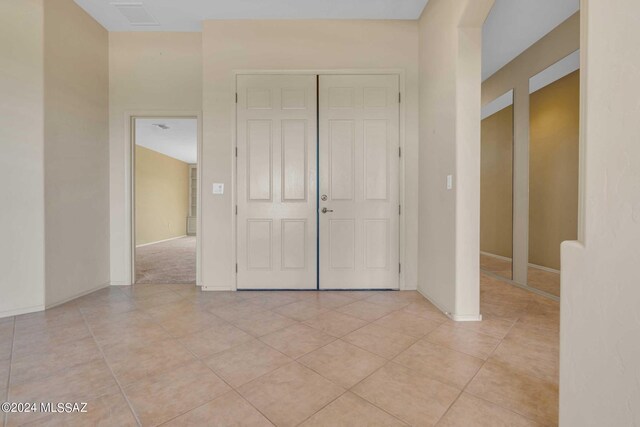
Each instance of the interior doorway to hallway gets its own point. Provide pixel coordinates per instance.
(165, 199)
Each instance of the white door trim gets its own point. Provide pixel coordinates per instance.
(346, 71)
(129, 190)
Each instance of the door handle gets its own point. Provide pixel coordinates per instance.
(325, 210)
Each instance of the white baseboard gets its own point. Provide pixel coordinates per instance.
(19, 311)
(452, 316)
(161, 241)
(500, 257)
(120, 283)
(217, 288)
(503, 258)
(543, 268)
(81, 294)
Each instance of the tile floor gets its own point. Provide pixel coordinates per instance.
(171, 355)
(543, 280)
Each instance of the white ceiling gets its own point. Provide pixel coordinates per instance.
(187, 15)
(180, 141)
(514, 25)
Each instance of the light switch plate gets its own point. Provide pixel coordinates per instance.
(218, 188)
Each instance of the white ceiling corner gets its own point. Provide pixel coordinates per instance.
(514, 25)
(187, 15)
(179, 141)
(511, 27)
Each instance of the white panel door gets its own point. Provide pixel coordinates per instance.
(359, 187)
(276, 182)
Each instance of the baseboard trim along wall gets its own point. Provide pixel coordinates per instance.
(19, 311)
(81, 294)
(160, 241)
(452, 316)
(216, 288)
(504, 258)
(116, 283)
(500, 257)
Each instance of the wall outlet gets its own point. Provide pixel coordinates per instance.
(218, 188)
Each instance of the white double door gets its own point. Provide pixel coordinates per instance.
(317, 181)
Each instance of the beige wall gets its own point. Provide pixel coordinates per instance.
(21, 157)
(162, 196)
(294, 45)
(496, 184)
(76, 102)
(600, 325)
(151, 73)
(54, 154)
(562, 41)
(553, 169)
(449, 227)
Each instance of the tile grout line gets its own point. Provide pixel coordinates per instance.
(214, 373)
(124, 395)
(464, 389)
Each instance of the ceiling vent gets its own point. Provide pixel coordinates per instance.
(135, 13)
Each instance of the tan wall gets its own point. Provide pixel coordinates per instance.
(553, 169)
(76, 151)
(496, 184)
(599, 325)
(562, 41)
(149, 72)
(294, 45)
(449, 231)
(162, 196)
(21, 157)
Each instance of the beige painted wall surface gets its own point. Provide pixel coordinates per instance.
(553, 169)
(600, 325)
(562, 41)
(162, 196)
(21, 157)
(496, 184)
(294, 45)
(148, 72)
(76, 151)
(449, 226)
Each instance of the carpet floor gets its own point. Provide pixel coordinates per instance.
(167, 262)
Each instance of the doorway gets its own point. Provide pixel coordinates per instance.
(165, 199)
(318, 162)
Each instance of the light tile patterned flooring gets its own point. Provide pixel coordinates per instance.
(155, 354)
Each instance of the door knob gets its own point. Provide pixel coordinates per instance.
(325, 210)
(323, 198)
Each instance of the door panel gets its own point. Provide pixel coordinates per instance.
(358, 174)
(276, 182)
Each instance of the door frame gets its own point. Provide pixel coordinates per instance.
(130, 184)
(401, 171)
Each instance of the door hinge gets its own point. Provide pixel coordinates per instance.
(236, 267)
(399, 268)
(399, 209)
(236, 209)
(236, 151)
(399, 97)
(399, 151)
(236, 97)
